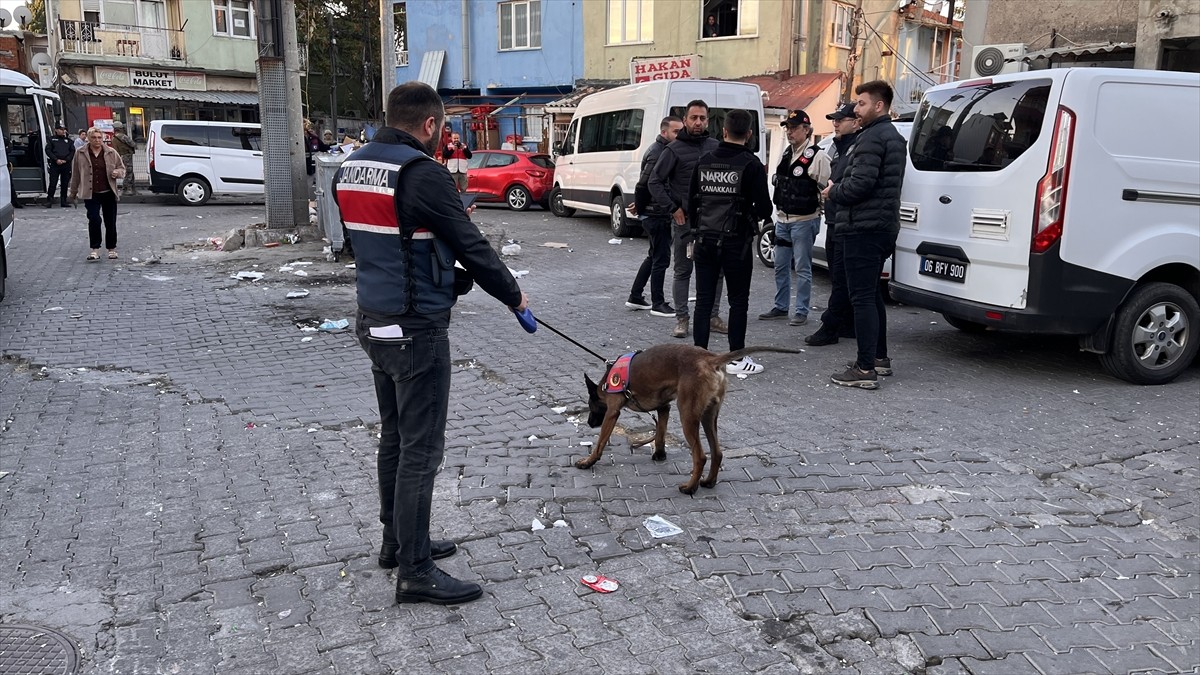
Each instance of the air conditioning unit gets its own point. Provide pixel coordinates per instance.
(989, 60)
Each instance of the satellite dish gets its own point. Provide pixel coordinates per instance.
(5, 18)
(40, 60)
(22, 15)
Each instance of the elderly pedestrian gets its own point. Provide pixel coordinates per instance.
(95, 170)
(125, 147)
(407, 229)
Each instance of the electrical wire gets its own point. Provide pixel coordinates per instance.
(895, 52)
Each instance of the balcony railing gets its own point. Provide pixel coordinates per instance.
(113, 39)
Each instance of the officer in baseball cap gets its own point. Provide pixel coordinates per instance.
(845, 112)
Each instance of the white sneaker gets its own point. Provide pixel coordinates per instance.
(743, 366)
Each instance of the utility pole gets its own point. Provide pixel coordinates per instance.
(333, 78)
(852, 58)
(280, 110)
(387, 50)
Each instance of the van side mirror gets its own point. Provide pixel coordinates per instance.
(557, 149)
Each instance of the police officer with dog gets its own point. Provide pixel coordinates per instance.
(407, 225)
(728, 198)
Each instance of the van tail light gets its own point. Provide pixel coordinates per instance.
(1052, 188)
(535, 173)
(150, 149)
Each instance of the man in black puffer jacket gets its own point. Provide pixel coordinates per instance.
(868, 219)
(669, 186)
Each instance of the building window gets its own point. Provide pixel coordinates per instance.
(729, 18)
(400, 32)
(234, 18)
(630, 21)
(843, 24)
(521, 24)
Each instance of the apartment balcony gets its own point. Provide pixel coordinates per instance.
(128, 44)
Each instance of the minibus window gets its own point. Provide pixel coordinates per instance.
(185, 134)
(978, 128)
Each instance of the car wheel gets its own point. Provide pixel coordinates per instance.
(1154, 335)
(617, 221)
(964, 325)
(556, 204)
(518, 198)
(193, 191)
(766, 247)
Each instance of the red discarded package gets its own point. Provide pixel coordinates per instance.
(599, 583)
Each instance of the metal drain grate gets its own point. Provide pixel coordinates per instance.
(31, 650)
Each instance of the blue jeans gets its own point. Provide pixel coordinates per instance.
(793, 252)
(412, 386)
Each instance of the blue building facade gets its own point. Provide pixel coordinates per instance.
(532, 49)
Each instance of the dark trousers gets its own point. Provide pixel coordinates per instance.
(864, 255)
(838, 317)
(654, 267)
(732, 258)
(412, 387)
(57, 172)
(103, 204)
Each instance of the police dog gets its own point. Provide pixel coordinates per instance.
(692, 376)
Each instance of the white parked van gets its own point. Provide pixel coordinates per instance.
(195, 159)
(7, 220)
(1062, 201)
(599, 160)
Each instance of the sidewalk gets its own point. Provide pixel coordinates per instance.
(190, 483)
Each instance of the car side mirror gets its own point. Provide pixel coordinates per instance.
(557, 149)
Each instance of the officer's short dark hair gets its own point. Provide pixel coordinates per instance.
(697, 103)
(877, 90)
(666, 122)
(738, 124)
(410, 104)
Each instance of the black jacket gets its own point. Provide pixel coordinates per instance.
(839, 153)
(867, 199)
(60, 148)
(756, 196)
(672, 177)
(642, 199)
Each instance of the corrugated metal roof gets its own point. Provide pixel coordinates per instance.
(431, 67)
(571, 101)
(1079, 50)
(224, 97)
(795, 92)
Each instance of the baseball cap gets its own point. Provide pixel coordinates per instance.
(60, 126)
(842, 113)
(795, 118)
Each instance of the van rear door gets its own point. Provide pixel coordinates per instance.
(977, 152)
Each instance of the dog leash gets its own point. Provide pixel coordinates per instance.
(568, 338)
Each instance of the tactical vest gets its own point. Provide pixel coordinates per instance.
(401, 267)
(796, 193)
(721, 202)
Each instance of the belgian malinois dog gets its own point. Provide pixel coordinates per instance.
(693, 377)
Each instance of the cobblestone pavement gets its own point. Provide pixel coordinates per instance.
(189, 482)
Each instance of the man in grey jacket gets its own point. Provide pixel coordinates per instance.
(656, 221)
(867, 222)
(669, 186)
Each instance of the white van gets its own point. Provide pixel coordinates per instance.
(7, 220)
(598, 162)
(1062, 201)
(196, 159)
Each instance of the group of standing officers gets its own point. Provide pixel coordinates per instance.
(702, 200)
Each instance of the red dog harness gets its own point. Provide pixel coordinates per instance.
(618, 374)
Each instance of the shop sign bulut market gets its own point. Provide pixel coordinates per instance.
(648, 68)
(152, 79)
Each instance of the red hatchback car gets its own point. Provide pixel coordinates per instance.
(515, 178)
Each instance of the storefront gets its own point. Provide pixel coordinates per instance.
(138, 96)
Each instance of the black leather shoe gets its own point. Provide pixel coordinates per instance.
(821, 338)
(437, 587)
(438, 549)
